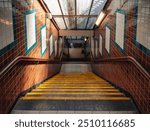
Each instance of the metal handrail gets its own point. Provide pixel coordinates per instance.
(123, 59)
(28, 60)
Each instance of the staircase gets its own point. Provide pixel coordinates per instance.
(75, 92)
(75, 86)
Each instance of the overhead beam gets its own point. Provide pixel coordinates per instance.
(48, 11)
(76, 14)
(84, 16)
(62, 14)
(89, 13)
(88, 33)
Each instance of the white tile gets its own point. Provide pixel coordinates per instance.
(120, 27)
(31, 31)
(107, 40)
(100, 44)
(143, 23)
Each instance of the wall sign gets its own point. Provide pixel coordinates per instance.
(30, 30)
(43, 40)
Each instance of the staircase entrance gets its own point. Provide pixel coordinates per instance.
(75, 90)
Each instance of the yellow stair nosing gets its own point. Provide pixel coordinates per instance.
(75, 87)
(107, 87)
(74, 98)
(77, 93)
(62, 90)
(76, 84)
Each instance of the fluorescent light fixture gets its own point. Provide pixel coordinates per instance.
(49, 15)
(100, 18)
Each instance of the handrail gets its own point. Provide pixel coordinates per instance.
(91, 56)
(28, 60)
(124, 59)
(61, 55)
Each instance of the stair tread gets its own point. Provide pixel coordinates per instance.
(36, 90)
(75, 86)
(77, 93)
(74, 98)
(47, 87)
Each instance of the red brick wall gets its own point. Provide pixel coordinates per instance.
(24, 76)
(125, 75)
(130, 48)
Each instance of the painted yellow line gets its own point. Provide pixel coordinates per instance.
(57, 87)
(71, 83)
(75, 90)
(76, 93)
(74, 86)
(59, 81)
(75, 98)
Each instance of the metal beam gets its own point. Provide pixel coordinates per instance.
(62, 14)
(89, 14)
(48, 11)
(84, 16)
(76, 14)
(88, 33)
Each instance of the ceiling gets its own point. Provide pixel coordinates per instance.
(75, 14)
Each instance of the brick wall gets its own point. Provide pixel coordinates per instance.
(125, 75)
(24, 76)
(130, 7)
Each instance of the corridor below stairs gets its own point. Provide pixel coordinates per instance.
(75, 90)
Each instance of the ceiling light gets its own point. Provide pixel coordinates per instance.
(100, 18)
(49, 15)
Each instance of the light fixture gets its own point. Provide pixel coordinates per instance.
(49, 15)
(100, 18)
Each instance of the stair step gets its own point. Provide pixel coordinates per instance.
(59, 82)
(75, 90)
(75, 84)
(68, 87)
(75, 93)
(75, 79)
(75, 98)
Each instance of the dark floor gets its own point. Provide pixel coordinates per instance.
(75, 106)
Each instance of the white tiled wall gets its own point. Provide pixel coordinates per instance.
(6, 23)
(143, 23)
(60, 45)
(43, 37)
(107, 39)
(100, 44)
(31, 30)
(120, 27)
(51, 45)
(56, 47)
